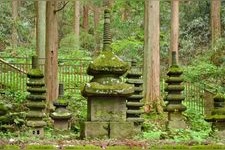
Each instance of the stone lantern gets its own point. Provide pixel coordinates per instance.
(36, 99)
(174, 97)
(134, 103)
(107, 94)
(217, 116)
(61, 116)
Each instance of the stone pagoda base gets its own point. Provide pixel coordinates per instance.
(105, 130)
(176, 121)
(219, 129)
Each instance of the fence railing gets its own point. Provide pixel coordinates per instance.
(72, 73)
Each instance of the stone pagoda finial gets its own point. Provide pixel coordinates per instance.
(107, 40)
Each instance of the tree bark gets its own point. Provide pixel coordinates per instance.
(14, 29)
(85, 17)
(41, 31)
(97, 34)
(51, 64)
(174, 35)
(215, 20)
(152, 56)
(76, 22)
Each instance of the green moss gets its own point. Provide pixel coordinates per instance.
(175, 70)
(109, 63)
(35, 73)
(91, 147)
(219, 97)
(40, 147)
(220, 111)
(95, 88)
(10, 147)
(178, 97)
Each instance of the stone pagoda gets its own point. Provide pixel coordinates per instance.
(217, 116)
(134, 103)
(61, 116)
(106, 93)
(174, 97)
(36, 99)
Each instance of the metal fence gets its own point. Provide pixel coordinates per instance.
(72, 73)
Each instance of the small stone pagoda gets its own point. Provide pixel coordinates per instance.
(61, 116)
(134, 103)
(174, 97)
(36, 99)
(217, 116)
(107, 94)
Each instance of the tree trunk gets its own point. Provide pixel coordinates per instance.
(14, 29)
(41, 31)
(96, 32)
(51, 64)
(215, 20)
(76, 22)
(85, 17)
(174, 35)
(152, 56)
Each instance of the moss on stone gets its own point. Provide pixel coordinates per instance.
(175, 97)
(35, 73)
(174, 79)
(119, 89)
(175, 70)
(174, 88)
(107, 62)
(219, 97)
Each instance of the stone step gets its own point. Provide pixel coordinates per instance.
(138, 104)
(135, 97)
(135, 111)
(134, 119)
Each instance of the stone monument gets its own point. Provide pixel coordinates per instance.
(174, 97)
(106, 93)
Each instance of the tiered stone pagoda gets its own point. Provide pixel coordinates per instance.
(36, 99)
(107, 94)
(217, 116)
(61, 116)
(134, 103)
(174, 97)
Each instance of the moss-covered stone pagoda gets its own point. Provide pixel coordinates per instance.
(36, 99)
(106, 94)
(61, 116)
(134, 103)
(217, 116)
(174, 97)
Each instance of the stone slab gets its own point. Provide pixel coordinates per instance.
(176, 121)
(122, 130)
(95, 130)
(106, 109)
(61, 124)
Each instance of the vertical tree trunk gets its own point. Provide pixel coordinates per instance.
(76, 22)
(41, 31)
(51, 64)
(85, 17)
(97, 34)
(152, 56)
(14, 29)
(174, 35)
(215, 20)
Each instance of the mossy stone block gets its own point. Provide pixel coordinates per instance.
(95, 130)
(176, 121)
(107, 109)
(122, 130)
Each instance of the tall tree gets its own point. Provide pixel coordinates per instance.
(152, 56)
(215, 20)
(96, 32)
(41, 30)
(174, 34)
(85, 16)
(14, 18)
(76, 21)
(51, 63)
